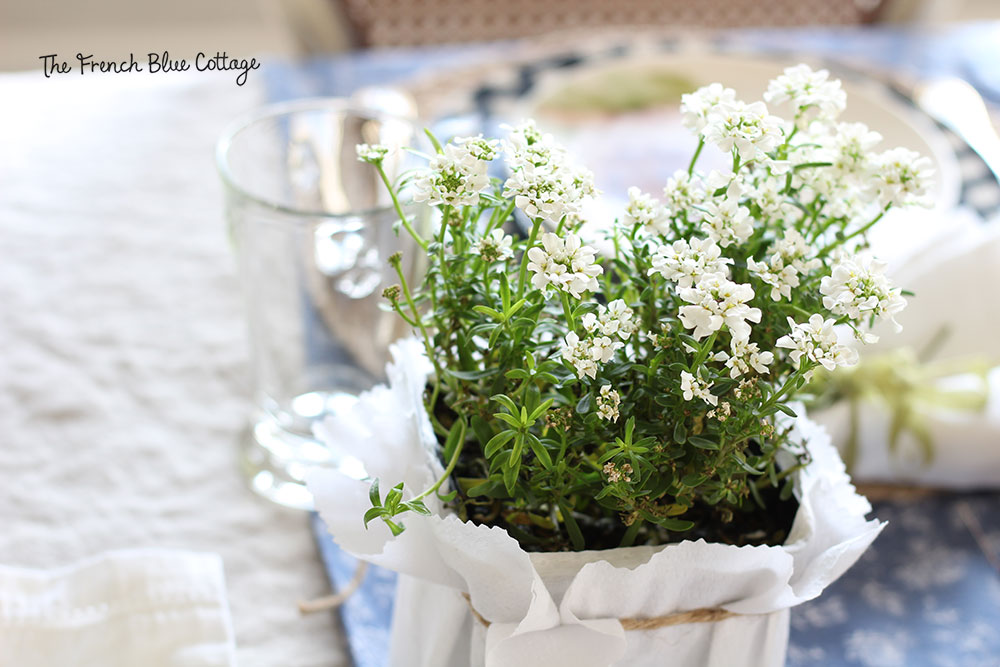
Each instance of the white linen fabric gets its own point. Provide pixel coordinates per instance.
(123, 348)
(156, 608)
(953, 270)
(563, 609)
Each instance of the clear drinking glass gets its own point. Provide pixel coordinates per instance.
(312, 229)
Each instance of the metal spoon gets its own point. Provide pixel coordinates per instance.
(957, 105)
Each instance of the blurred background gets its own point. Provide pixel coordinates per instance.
(311, 27)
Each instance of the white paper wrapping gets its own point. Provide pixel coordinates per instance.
(953, 275)
(554, 609)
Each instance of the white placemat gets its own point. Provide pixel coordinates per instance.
(123, 350)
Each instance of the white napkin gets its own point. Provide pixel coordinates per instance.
(146, 607)
(953, 268)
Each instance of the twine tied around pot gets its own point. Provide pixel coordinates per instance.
(703, 615)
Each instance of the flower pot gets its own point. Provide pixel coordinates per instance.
(471, 596)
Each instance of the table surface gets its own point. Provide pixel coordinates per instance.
(122, 343)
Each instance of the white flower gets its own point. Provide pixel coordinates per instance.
(812, 93)
(371, 153)
(787, 261)
(586, 354)
(603, 348)
(852, 147)
(748, 128)
(542, 181)
(681, 195)
(696, 106)
(456, 176)
(773, 204)
(816, 341)
(721, 413)
(685, 262)
(607, 403)
(565, 264)
(781, 278)
(495, 246)
(614, 319)
(745, 357)
(645, 211)
(858, 288)
(902, 177)
(694, 387)
(577, 353)
(717, 301)
(727, 223)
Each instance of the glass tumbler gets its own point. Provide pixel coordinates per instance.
(312, 228)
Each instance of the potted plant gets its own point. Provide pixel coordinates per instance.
(590, 457)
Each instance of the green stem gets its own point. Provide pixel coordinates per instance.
(399, 209)
(697, 152)
(523, 274)
(862, 230)
(447, 471)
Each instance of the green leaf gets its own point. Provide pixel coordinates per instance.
(517, 374)
(508, 419)
(372, 514)
(373, 494)
(787, 410)
(455, 436)
(583, 405)
(575, 535)
(540, 410)
(486, 310)
(680, 433)
(505, 401)
(472, 375)
(703, 443)
(510, 312)
(676, 525)
(417, 506)
(510, 479)
(497, 442)
(539, 449)
(448, 497)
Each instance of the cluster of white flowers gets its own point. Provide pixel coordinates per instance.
(696, 106)
(746, 357)
(727, 222)
(371, 153)
(694, 387)
(615, 319)
(543, 183)
(606, 330)
(812, 93)
(903, 177)
(495, 246)
(607, 403)
(721, 413)
(681, 194)
(858, 288)
(773, 204)
(457, 175)
(716, 301)
(564, 263)
(585, 354)
(816, 341)
(748, 128)
(785, 264)
(645, 211)
(684, 262)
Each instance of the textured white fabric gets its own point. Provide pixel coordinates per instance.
(123, 354)
(133, 607)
